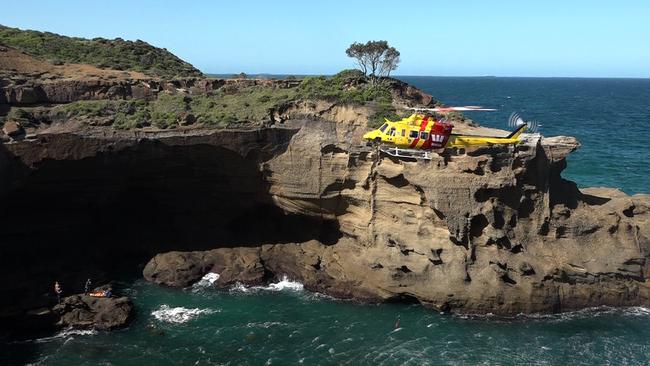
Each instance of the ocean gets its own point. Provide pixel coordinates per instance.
(610, 117)
(282, 324)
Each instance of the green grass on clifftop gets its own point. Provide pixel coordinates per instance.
(247, 105)
(232, 104)
(115, 54)
(348, 86)
(353, 87)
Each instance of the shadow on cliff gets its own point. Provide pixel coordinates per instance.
(105, 216)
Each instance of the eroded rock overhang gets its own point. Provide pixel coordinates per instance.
(493, 229)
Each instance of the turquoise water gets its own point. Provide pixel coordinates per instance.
(283, 324)
(287, 325)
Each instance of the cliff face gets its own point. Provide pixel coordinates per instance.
(493, 229)
(490, 230)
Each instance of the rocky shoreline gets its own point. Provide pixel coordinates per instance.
(493, 230)
(485, 230)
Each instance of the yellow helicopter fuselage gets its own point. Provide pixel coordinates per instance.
(424, 132)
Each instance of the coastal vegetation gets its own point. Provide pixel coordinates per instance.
(230, 105)
(245, 102)
(116, 54)
(218, 109)
(352, 87)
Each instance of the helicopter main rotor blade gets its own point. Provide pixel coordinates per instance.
(466, 108)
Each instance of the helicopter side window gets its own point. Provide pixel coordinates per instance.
(403, 132)
(413, 134)
(392, 131)
(424, 135)
(383, 127)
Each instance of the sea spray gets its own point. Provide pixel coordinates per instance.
(206, 281)
(285, 284)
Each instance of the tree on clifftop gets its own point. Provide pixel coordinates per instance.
(374, 57)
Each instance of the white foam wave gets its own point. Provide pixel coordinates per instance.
(284, 284)
(67, 333)
(239, 287)
(206, 281)
(179, 315)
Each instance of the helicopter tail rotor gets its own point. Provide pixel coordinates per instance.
(515, 121)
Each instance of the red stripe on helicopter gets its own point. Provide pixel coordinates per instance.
(423, 125)
(427, 144)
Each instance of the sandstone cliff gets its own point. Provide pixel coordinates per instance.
(487, 230)
(492, 229)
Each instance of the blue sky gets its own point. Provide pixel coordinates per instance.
(449, 38)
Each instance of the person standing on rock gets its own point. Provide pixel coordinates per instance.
(87, 286)
(58, 291)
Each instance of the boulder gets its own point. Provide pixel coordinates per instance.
(83, 311)
(176, 269)
(181, 269)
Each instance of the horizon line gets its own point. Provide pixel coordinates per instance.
(443, 76)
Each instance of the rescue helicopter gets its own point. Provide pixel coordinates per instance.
(424, 130)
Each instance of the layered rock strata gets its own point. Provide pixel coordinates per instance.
(492, 229)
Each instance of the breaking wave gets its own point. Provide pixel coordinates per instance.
(206, 281)
(284, 284)
(179, 315)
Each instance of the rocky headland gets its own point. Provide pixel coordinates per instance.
(111, 172)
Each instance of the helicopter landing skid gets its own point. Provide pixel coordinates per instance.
(406, 153)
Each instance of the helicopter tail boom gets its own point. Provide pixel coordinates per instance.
(474, 140)
(518, 131)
